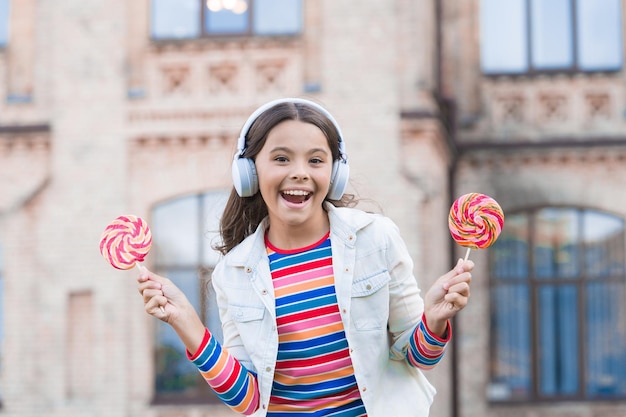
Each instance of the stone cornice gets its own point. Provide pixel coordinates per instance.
(490, 158)
(22, 129)
(29, 138)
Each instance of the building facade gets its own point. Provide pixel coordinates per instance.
(134, 107)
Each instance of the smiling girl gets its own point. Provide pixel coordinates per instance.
(321, 313)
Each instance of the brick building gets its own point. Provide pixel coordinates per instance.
(113, 107)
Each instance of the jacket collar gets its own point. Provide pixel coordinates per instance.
(344, 223)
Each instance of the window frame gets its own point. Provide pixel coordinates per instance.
(575, 68)
(533, 285)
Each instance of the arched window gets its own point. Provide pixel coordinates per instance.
(558, 306)
(184, 231)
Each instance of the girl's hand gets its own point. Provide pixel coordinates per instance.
(165, 301)
(161, 298)
(448, 295)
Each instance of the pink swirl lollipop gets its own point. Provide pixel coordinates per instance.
(475, 221)
(126, 241)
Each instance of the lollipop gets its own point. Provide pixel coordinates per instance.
(475, 221)
(126, 241)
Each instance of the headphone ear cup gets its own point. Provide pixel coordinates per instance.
(245, 178)
(338, 180)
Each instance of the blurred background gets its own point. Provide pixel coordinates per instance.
(134, 107)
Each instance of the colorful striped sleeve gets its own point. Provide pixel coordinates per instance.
(232, 382)
(425, 348)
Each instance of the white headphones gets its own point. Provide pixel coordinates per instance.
(244, 173)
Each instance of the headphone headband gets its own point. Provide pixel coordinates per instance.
(241, 142)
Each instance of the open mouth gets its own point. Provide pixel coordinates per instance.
(296, 196)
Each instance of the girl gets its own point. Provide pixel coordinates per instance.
(320, 310)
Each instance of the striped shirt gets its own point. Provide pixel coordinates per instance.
(314, 371)
(314, 374)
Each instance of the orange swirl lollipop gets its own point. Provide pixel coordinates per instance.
(475, 221)
(126, 241)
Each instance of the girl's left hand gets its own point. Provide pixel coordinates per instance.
(448, 295)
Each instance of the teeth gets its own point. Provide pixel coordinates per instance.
(296, 192)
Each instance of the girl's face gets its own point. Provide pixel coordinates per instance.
(294, 169)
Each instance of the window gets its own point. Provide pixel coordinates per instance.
(186, 19)
(4, 22)
(558, 307)
(183, 232)
(525, 36)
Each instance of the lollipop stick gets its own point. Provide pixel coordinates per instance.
(141, 268)
(451, 305)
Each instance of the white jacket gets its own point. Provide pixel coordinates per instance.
(378, 298)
